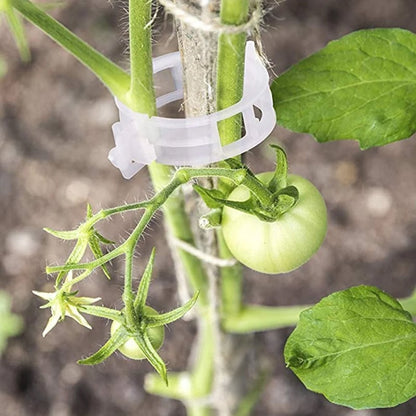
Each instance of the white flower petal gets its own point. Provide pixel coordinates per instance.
(44, 295)
(53, 320)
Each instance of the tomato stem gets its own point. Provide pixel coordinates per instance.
(111, 75)
(141, 96)
(230, 84)
(230, 67)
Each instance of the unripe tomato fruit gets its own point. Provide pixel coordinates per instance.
(282, 245)
(130, 348)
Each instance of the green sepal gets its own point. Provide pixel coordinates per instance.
(279, 179)
(94, 245)
(103, 312)
(102, 239)
(250, 205)
(112, 345)
(172, 316)
(151, 354)
(212, 197)
(94, 242)
(143, 290)
(63, 235)
(285, 199)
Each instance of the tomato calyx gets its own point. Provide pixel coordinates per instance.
(138, 331)
(268, 201)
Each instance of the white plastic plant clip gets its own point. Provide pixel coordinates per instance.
(193, 141)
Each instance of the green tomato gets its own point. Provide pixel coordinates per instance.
(130, 348)
(282, 245)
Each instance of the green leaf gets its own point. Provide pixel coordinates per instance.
(357, 347)
(361, 87)
(110, 347)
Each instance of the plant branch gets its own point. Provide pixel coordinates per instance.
(141, 96)
(111, 75)
(256, 318)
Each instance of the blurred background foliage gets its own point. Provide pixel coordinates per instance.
(10, 324)
(55, 134)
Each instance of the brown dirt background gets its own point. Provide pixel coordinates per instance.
(54, 137)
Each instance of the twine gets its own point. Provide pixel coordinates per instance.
(207, 258)
(184, 14)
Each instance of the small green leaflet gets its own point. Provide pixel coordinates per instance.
(357, 347)
(361, 87)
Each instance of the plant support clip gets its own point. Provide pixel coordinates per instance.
(193, 141)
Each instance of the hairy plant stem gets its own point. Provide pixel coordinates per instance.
(230, 84)
(112, 76)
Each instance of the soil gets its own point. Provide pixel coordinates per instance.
(54, 137)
